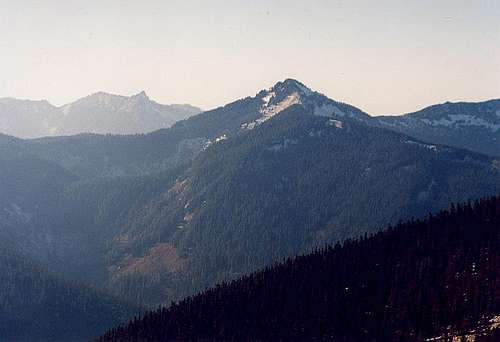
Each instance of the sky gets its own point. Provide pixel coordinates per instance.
(385, 57)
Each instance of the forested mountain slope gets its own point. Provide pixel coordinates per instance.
(36, 305)
(28, 187)
(434, 277)
(293, 183)
(473, 126)
(158, 216)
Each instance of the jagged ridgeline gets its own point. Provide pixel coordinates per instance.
(417, 280)
(97, 113)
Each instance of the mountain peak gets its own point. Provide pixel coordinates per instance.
(100, 98)
(290, 86)
(289, 92)
(141, 95)
(107, 99)
(101, 94)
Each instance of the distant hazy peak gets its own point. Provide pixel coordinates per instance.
(470, 125)
(141, 95)
(100, 112)
(455, 115)
(12, 100)
(99, 98)
(485, 107)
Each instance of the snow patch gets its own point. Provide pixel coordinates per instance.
(248, 125)
(336, 123)
(463, 120)
(209, 142)
(222, 137)
(268, 111)
(328, 110)
(266, 99)
(419, 144)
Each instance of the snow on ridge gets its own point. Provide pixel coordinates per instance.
(313, 102)
(268, 111)
(427, 146)
(266, 99)
(463, 120)
(328, 110)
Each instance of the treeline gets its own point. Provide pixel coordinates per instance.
(419, 279)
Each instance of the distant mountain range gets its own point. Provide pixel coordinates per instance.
(473, 126)
(98, 113)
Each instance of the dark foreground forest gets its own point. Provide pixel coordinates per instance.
(416, 280)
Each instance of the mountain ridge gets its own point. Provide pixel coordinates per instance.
(100, 112)
(471, 125)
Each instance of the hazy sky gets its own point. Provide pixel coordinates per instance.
(382, 56)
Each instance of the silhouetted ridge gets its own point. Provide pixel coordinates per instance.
(406, 283)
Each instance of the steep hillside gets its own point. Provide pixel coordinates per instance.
(29, 187)
(36, 305)
(421, 279)
(293, 183)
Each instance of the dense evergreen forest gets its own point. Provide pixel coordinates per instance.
(37, 305)
(293, 183)
(423, 278)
